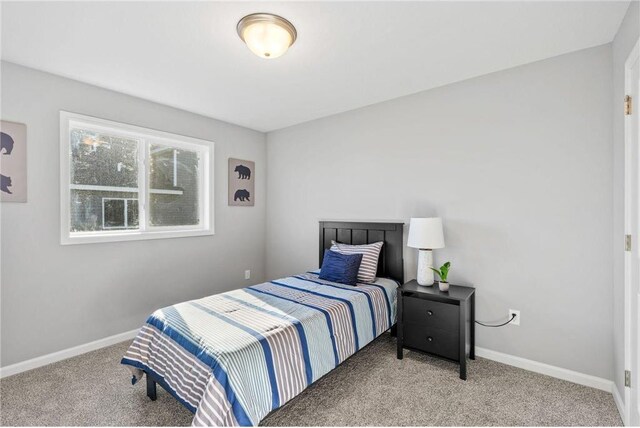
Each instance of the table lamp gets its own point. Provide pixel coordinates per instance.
(425, 234)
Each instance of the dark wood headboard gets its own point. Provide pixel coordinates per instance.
(390, 264)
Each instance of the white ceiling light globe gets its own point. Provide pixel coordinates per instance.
(268, 36)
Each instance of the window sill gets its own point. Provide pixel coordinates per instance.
(121, 236)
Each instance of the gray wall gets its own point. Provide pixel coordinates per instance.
(55, 297)
(519, 165)
(624, 41)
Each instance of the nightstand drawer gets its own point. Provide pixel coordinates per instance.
(433, 340)
(431, 314)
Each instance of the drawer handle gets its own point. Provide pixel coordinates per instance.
(429, 313)
(429, 339)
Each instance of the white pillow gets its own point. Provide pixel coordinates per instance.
(370, 254)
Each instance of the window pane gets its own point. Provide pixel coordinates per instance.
(173, 193)
(114, 213)
(132, 213)
(103, 160)
(103, 181)
(96, 210)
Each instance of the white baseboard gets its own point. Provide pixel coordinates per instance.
(66, 353)
(546, 369)
(619, 403)
(523, 363)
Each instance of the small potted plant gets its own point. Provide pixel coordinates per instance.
(443, 272)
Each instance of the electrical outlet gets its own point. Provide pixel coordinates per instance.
(516, 320)
(247, 274)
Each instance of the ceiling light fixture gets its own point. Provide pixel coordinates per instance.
(267, 35)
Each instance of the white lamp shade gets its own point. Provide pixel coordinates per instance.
(426, 233)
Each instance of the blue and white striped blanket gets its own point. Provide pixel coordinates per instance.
(234, 357)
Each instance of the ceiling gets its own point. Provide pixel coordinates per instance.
(348, 54)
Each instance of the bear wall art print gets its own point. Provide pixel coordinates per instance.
(13, 162)
(241, 182)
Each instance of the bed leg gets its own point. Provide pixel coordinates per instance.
(394, 330)
(151, 388)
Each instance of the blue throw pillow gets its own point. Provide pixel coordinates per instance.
(342, 268)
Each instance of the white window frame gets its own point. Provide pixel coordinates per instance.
(150, 136)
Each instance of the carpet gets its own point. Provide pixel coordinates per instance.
(371, 388)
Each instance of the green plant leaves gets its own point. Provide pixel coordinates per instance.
(436, 271)
(444, 271)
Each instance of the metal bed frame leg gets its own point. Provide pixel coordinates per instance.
(151, 388)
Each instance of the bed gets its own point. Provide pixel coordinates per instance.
(233, 358)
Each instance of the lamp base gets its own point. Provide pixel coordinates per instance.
(425, 262)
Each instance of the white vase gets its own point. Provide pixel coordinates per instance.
(444, 286)
(425, 262)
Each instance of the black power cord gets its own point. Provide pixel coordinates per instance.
(513, 316)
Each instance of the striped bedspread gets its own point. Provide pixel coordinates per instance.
(234, 357)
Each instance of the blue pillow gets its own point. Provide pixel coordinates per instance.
(342, 268)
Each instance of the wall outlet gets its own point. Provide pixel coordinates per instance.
(516, 320)
(247, 274)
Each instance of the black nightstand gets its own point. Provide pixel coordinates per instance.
(436, 322)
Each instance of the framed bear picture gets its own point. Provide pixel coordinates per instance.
(241, 182)
(13, 162)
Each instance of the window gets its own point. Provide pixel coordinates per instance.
(122, 182)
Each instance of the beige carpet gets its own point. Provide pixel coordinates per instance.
(371, 388)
